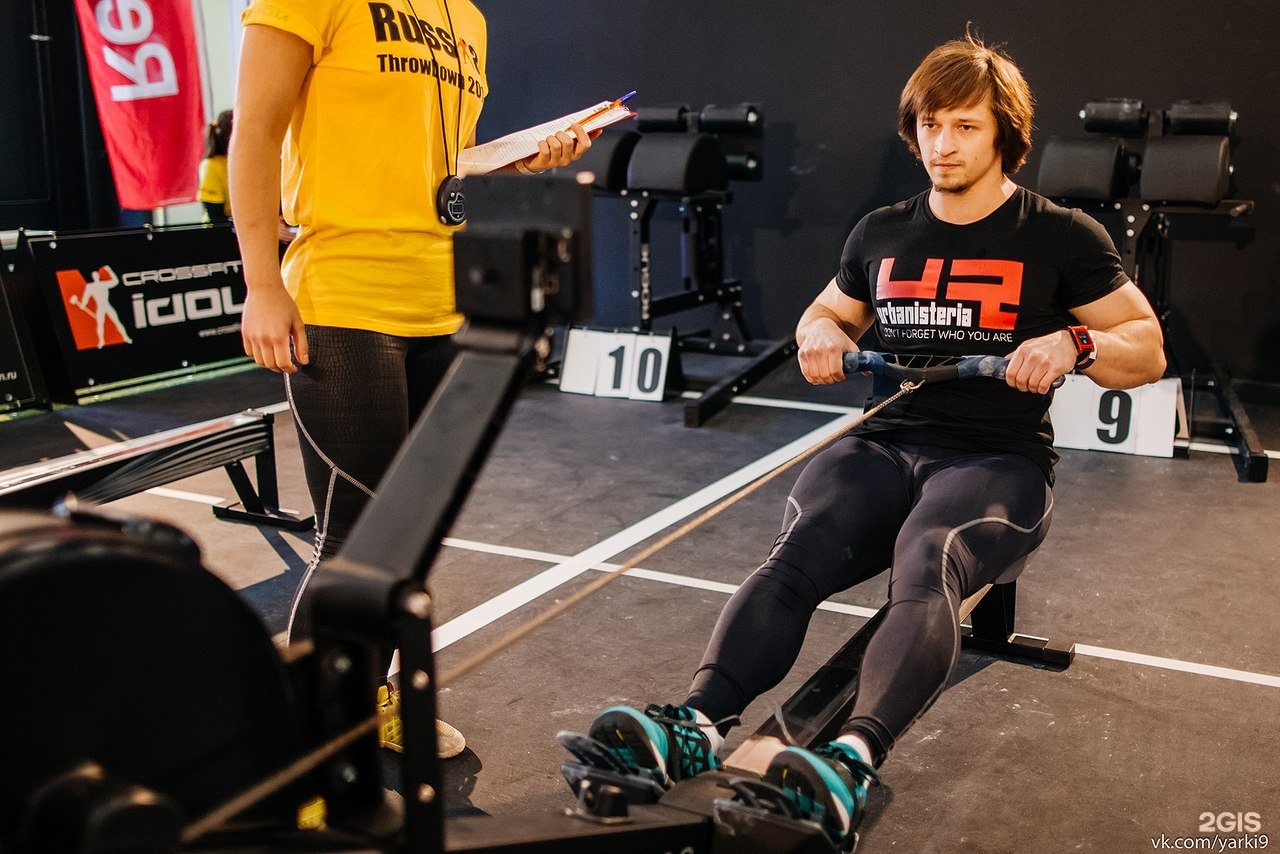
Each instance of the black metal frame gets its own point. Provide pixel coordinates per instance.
(704, 284)
(1144, 248)
(992, 631)
(126, 468)
(385, 562)
(381, 572)
(260, 506)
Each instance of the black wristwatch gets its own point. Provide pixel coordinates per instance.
(1086, 347)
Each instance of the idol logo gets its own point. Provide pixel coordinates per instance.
(179, 308)
(95, 323)
(89, 309)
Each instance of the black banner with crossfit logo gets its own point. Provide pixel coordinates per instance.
(113, 310)
(20, 382)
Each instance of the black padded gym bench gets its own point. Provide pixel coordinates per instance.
(126, 467)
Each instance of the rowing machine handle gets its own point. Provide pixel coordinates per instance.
(886, 365)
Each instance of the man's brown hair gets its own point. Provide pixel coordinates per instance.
(960, 74)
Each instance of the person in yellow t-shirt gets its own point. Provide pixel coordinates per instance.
(372, 102)
(215, 193)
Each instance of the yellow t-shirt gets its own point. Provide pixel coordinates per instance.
(213, 182)
(365, 154)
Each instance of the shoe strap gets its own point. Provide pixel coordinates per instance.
(682, 723)
(671, 714)
(860, 771)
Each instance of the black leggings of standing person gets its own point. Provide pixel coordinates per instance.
(353, 405)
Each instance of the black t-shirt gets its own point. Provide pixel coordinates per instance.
(977, 289)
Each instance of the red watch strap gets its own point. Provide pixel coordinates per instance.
(1086, 349)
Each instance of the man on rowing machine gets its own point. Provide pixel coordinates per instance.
(948, 486)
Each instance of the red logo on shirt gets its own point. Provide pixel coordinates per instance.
(995, 285)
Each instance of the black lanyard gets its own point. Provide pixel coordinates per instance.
(451, 205)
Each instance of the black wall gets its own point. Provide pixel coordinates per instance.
(828, 76)
(54, 172)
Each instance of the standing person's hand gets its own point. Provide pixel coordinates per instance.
(270, 325)
(559, 150)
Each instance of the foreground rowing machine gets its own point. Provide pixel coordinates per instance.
(146, 707)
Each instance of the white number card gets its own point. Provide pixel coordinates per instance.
(1137, 421)
(633, 365)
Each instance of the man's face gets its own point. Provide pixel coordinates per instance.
(958, 147)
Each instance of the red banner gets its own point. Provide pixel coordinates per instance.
(146, 82)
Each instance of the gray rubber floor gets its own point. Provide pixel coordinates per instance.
(1163, 572)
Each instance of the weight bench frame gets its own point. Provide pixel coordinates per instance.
(704, 284)
(126, 468)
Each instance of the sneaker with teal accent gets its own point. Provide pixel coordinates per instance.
(662, 742)
(828, 784)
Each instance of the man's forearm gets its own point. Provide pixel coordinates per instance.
(1130, 354)
(816, 312)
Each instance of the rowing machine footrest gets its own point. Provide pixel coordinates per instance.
(636, 789)
(1057, 653)
(760, 819)
(601, 804)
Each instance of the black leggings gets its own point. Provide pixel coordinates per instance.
(353, 405)
(946, 522)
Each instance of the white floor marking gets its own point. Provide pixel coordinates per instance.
(748, 400)
(729, 589)
(183, 495)
(567, 568)
(200, 498)
(546, 581)
(1176, 664)
(1210, 448)
(638, 572)
(782, 403)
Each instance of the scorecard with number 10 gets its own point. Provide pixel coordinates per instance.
(634, 365)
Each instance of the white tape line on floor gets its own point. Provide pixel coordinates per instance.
(1139, 658)
(548, 580)
(638, 572)
(183, 495)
